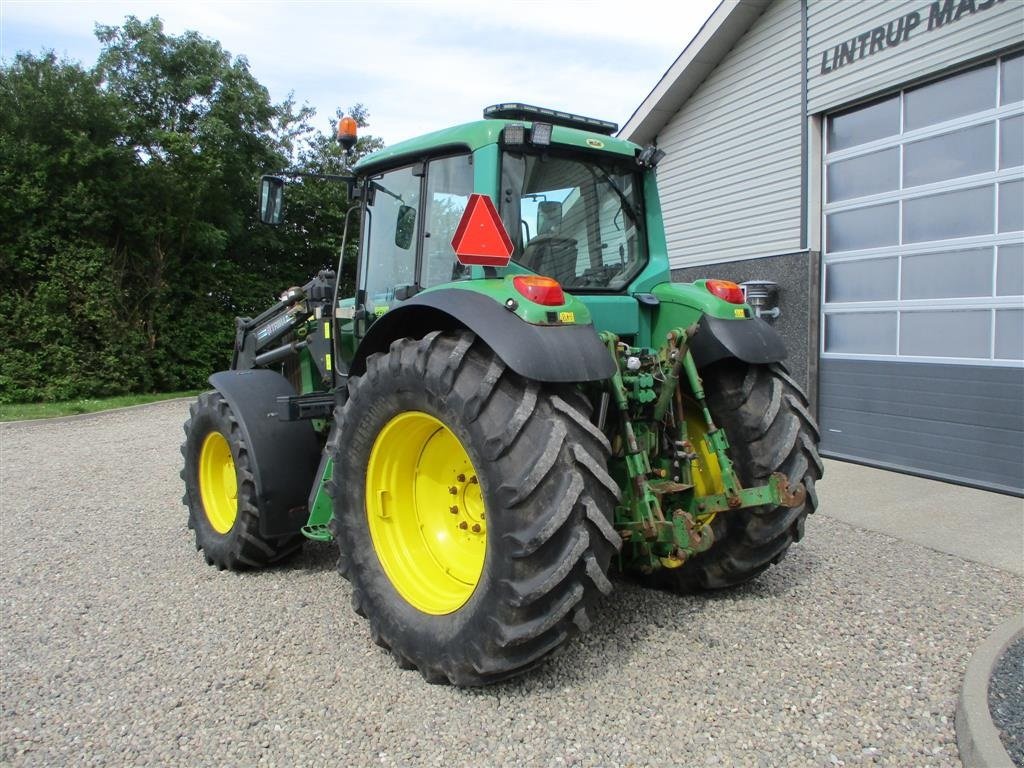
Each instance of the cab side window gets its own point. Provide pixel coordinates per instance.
(390, 236)
(449, 185)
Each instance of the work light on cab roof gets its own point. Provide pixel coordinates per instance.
(527, 112)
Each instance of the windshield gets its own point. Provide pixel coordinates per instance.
(577, 220)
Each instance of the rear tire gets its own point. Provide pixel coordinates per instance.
(549, 501)
(766, 416)
(220, 491)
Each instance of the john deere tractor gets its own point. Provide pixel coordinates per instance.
(516, 400)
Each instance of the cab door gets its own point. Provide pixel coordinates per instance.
(409, 219)
(391, 223)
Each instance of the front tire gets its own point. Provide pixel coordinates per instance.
(767, 419)
(425, 420)
(220, 491)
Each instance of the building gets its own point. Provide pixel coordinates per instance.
(867, 157)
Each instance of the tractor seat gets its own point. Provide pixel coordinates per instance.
(553, 256)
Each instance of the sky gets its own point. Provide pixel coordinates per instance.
(417, 66)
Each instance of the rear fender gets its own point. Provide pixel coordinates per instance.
(548, 353)
(284, 454)
(725, 330)
(751, 340)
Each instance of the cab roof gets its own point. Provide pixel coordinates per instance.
(480, 133)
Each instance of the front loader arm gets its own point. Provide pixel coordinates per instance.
(256, 339)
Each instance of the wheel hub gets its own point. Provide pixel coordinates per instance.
(426, 513)
(218, 483)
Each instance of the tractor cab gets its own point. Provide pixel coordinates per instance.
(570, 196)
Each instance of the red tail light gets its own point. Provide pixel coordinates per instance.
(725, 290)
(540, 290)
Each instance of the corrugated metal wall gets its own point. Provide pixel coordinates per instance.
(923, 53)
(730, 183)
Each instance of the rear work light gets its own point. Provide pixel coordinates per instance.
(725, 290)
(539, 289)
(514, 134)
(530, 113)
(540, 135)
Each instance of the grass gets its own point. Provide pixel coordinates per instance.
(19, 411)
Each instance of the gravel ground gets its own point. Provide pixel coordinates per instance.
(118, 645)
(1006, 700)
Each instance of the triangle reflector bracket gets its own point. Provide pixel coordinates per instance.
(481, 239)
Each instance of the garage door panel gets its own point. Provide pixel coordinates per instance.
(928, 431)
(942, 420)
(973, 389)
(936, 461)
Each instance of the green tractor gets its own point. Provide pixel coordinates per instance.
(516, 399)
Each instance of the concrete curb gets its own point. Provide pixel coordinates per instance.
(80, 416)
(976, 735)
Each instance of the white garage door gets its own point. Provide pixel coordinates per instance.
(923, 294)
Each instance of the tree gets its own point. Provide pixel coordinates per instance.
(317, 206)
(62, 170)
(200, 127)
(129, 239)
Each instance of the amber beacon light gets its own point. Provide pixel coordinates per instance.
(347, 133)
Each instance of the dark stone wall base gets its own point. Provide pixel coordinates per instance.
(798, 276)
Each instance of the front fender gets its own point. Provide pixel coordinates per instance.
(284, 454)
(548, 353)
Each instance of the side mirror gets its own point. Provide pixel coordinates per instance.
(271, 199)
(549, 217)
(405, 226)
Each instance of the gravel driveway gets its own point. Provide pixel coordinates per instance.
(118, 645)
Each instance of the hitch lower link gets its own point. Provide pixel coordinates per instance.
(684, 535)
(777, 492)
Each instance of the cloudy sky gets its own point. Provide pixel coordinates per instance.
(417, 66)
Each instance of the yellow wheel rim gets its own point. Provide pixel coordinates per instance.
(218, 484)
(426, 513)
(705, 471)
(706, 474)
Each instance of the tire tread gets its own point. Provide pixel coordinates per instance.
(557, 507)
(765, 402)
(242, 547)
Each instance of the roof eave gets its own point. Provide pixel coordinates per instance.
(729, 22)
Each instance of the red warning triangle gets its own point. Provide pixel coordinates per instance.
(481, 238)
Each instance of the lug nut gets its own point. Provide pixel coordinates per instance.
(461, 478)
(473, 480)
(453, 490)
(476, 527)
(463, 525)
(454, 510)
